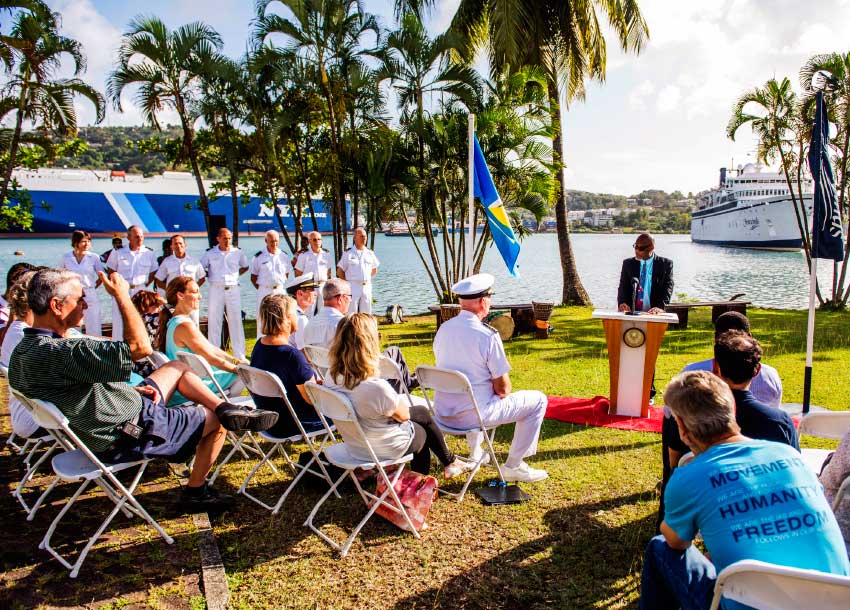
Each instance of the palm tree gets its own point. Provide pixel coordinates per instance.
(37, 51)
(417, 66)
(566, 40)
(837, 66)
(167, 67)
(774, 125)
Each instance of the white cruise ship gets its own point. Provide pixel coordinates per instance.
(752, 209)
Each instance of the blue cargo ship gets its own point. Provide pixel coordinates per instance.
(104, 202)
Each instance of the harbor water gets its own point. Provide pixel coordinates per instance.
(701, 272)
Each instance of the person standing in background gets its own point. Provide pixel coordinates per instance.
(136, 263)
(270, 268)
(180, 264)
(358, 266)
(224, 264)
(82, 261)
(315, 260)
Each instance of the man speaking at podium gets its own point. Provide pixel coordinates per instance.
(646, 281)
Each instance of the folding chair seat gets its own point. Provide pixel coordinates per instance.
(79, 463)
(335, 406)
(454, 382)
(319, 358)
(200, 366)
(264, 383)
(768, 586)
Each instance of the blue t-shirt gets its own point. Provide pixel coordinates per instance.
(757, 420)
(290, 365)
(755, 500)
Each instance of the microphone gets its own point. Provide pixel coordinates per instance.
(635, 283)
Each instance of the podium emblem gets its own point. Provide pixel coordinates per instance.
(634, 337)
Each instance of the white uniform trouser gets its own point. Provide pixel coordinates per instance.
(117, 322)
(361, 297)
(262, 292)
(91, 317)
(526, 408)
(226, 298)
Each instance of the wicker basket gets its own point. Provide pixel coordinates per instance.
(542, 310)
(449, 311)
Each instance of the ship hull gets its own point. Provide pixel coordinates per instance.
(769, 224)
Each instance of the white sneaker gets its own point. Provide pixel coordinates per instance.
(524, 473)
(484, 461)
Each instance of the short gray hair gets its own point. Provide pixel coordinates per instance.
(335, 287)
(704, 404)
(49, 284)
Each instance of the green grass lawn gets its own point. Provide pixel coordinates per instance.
(577, 544)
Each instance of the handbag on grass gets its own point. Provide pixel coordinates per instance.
(416, 492)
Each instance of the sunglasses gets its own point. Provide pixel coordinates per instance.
(641, 247)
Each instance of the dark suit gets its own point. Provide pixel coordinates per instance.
(661, 289)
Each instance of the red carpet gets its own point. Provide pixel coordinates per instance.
(594, 412)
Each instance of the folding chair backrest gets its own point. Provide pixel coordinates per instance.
(158, 359)
(764, 585)
(330, 403)
(686, 459)
(260, 382)
(825, 424)
(201, 368)
(45, 414)
(443, 380)
(319, 357)
(4, 371)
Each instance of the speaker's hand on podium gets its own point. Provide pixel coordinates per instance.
(624, 308)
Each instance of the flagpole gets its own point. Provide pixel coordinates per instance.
(470, 239)
(810, 334)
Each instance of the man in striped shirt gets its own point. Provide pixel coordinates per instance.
(86, 379)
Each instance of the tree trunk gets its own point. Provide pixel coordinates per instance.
(189, 143)
(16, 139)
(573, 292)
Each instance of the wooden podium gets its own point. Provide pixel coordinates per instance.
(633, 344)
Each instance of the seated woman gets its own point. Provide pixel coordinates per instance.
(23, 423)
(392, 426)
(148, 304)
(273, 353)
(178, 333)
(831, 477)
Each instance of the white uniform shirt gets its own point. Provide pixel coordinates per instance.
(322, 327)
(86, 268)
(317, 263)
(134, 266)
(271, 269)
(296, 339)
(465, 344)
(173, 267)
(358, 264)
(223, 267)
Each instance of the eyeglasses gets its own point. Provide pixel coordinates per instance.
(344, 295)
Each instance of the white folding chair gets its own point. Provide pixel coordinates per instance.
(79, 463)
(11, 440)
(264, 383)
(768, 586)
(826, 424)
(388, 369)
(455, 382)
(200, 366)
(319, 358)
(158, 359)
(686, 459)
(336, 407)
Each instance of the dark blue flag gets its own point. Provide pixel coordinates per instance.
(827, 235)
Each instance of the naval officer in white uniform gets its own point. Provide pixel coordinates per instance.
(180, 263)
(358, 266)
(302, 288)
(270, 268)
(136, 263)
(315, 260)
(223, 265)
(464, 343)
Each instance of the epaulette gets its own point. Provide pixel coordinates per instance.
(326, 250)
(147, 248)
(211, 247)
(490, 327)
(258, 253)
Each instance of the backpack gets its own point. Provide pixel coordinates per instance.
(395, 314)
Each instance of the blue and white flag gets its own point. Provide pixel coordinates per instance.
(500, 226)
(827, 234)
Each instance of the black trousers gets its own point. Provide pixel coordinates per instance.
(427, 438)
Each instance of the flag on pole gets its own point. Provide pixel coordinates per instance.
(500, 226)
(827, 234)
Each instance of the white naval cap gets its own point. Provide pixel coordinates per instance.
(474, 286)
(302, 281)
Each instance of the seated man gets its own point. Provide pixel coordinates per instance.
(464, 343)
(766, 387)
(302, 288)
(749, 499)
(86, 379)
(336, 295)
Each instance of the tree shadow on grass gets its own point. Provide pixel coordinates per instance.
(583, 562)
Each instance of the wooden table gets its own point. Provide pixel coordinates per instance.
(717, 308)
(522, 314)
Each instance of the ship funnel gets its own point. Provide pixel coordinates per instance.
(722, 176)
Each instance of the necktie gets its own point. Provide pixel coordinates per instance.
(639, 300)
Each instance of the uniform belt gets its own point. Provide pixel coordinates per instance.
(224, 286)
(271, 286)
(360, 282)
(134, 286)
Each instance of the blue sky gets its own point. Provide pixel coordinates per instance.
(657, 122)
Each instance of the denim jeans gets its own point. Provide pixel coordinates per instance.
(675, 579)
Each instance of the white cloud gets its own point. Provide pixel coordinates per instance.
(668, 98)
(638, 96)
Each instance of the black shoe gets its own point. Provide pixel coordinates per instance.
(205, 499)
(241, 419)
(414, 383)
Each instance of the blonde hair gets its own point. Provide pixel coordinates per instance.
(275, 313)
(17, 297)
(704, 404)
(355, 351)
